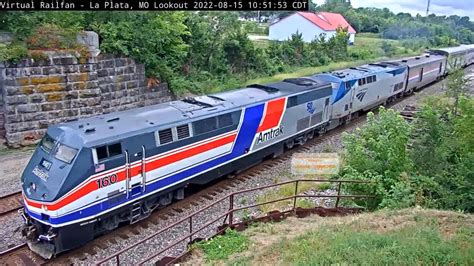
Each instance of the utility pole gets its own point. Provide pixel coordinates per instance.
(428, 8)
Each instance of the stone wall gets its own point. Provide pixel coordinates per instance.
(62, 87)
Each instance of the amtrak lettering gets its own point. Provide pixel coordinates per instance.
(272, 133)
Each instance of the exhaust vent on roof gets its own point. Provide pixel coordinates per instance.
(301, 81)
(90, 130)
(360, 69)
(196, 102)
(427, 55)
(379, 64)
(113, 119)
(417, 58)
(216, 98)
(404, 60)
(263, 87)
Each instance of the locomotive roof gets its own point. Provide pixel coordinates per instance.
(469, 46)
(111, 127)
(364, 70)
(419, 60)
(451, 50)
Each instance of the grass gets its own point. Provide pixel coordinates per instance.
(408, 246)
(7, 151)
(400, 237)
(222, 246)
(374, 46)
(368, 43)
(262, 44)
(288, 190)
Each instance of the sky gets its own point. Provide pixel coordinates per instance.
(438, 7)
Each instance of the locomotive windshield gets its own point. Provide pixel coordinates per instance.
(61, 152)
(47, 143)
(65, 153)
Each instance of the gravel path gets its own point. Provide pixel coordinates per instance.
(11, 166)
(12, 163)
(10, 231)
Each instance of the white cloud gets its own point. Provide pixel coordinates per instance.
(438, 7)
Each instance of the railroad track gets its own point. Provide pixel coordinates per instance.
(20, 255)
(10, 203)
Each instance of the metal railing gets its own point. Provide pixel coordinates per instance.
(229, 215)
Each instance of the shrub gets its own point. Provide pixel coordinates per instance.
(437, 171)
(51, 36)
(12, 52)
(38, 55)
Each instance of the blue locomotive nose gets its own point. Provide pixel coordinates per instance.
(50, 165)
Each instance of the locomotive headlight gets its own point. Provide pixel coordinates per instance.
(33, 186)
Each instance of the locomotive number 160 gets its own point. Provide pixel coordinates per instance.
(106, 181)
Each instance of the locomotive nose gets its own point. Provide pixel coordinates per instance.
(49, 167)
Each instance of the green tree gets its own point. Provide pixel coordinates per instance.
(378, 152)
(458, 86)
(153, 38)
(443, 150)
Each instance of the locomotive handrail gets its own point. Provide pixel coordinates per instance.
(229, 214)
(143, 169)
(127, 173)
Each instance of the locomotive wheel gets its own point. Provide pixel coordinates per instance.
(323, 130)
(302, 140)
(290, 144)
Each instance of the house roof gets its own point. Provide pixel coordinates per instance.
(325, 20)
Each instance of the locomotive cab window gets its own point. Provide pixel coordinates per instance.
(108, 151)
(348, 86)
(101, 152)
(115, 149)
(369, 79)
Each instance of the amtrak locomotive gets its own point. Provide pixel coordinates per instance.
(88, 176)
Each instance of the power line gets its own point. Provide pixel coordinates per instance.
(428, 8)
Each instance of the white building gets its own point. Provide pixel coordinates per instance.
(309, 25)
